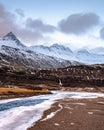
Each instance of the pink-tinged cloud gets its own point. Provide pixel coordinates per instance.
(6, 21)
(26, 34)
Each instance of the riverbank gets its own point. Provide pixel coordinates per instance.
(73, 114)
(7, 93)
(16, 92)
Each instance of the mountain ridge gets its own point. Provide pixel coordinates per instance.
(13, 52)
(22, 66)
(81, 55)
(54, 56)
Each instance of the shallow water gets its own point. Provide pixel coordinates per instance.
(13, 104)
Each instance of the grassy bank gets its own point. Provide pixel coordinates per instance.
(20, 92)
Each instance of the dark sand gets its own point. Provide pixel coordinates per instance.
(76, 114)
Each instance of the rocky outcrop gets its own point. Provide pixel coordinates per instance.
(72, 76)
(83, 75)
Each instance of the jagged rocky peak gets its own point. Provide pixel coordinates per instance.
(11, 36)
(59, 46)
(85, 51)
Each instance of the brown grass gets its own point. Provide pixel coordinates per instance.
(9, 91)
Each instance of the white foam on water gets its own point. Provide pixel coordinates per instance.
(23, 98)
(9, 100)
(23, 117)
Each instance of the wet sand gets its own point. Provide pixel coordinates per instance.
(73, 114)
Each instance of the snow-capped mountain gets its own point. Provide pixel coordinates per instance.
(85, 56)
(11, 40)
(98, 50)
(13, 52)
(88, 57)
(55, 50)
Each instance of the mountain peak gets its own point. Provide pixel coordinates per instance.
(11, 36)
(61, 47)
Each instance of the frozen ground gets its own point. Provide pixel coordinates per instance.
(19, 114)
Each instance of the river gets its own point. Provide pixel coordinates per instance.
(21, 113)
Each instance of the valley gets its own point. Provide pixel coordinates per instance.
(51, 65)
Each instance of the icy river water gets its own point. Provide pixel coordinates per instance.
(21, 113)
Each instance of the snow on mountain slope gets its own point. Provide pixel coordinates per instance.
(98, 50)
(11, 40)
(83, 55)
(55, 50)
(30, 59)
(13, 52)
(87, 57)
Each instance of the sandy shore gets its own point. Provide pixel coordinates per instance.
(73, 114)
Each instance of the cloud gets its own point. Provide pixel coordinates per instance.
(20, 12)
(38, 25)
(78, 23)
(102, 33)
(28, 36)
(8, 23)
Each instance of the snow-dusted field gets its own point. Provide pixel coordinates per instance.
(19, 114)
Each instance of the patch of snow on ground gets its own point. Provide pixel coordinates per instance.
(22, 117)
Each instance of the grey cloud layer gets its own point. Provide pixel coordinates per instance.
(7, 24)
(6, 20)
(20, 12)
(78, 23)
(38, 25)
(102, 33)
(33, 30)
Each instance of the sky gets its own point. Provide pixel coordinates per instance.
(73, 23)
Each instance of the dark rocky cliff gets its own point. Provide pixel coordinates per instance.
(73, 76)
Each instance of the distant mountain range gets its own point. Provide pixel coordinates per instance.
(13, 52)
(92, 56)
(20, 64)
